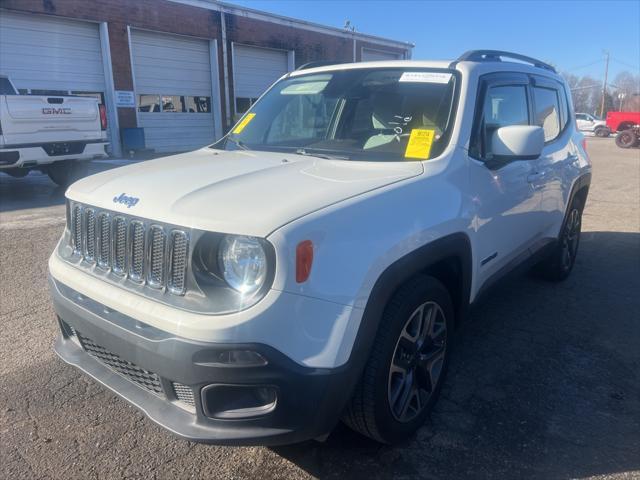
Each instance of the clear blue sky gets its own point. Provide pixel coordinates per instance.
(570, 34)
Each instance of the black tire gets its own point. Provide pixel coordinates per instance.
(64, 173)
(602, 132)
(626, 139)
(559, 264)
(376, 409)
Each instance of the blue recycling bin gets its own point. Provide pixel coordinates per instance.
(133, 139)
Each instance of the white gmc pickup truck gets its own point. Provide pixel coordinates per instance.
(49, 133)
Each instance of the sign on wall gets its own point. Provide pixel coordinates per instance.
(125, 98)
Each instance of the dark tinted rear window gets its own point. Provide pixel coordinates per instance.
(5, 87)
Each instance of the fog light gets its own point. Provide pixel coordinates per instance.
(238, 401)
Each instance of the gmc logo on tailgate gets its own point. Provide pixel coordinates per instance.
(56, 111)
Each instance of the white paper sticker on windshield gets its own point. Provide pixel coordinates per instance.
(425, 77)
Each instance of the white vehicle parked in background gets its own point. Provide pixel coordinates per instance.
(591, 124)
(314, 264)
(50, 133)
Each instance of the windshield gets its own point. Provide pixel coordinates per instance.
(361, 114)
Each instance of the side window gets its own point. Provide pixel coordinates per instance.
(503, 105)
(564, 107)
(506, 105)
(547, 112)
(580, 116)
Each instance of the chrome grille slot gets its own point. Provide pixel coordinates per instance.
(143, 252)
(119, 264)
(90, 235)
(104, 240)
(179, 246)
(136, 263)
(76, 229)
(157, 242)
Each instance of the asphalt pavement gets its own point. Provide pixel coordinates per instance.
(544, 380)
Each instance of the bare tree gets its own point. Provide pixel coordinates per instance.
(626, 92)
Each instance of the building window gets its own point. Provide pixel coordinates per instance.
(197, 104)
(243, 104)
(174, 103)
(149, 103)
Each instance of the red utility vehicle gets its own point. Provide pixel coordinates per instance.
(627, 124)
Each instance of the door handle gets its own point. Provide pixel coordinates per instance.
(536, 177)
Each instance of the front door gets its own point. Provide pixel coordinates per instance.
(505, 198)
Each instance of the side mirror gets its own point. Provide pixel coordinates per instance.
(517, 142)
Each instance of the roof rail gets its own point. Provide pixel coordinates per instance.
(495, 56)
(305, 66)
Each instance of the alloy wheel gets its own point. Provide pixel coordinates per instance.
(417, 362)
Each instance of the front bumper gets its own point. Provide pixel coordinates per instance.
(309, 400)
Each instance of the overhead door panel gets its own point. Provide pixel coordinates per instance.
(369, 55)
(173, 87)
(254, 70)
(50, 53)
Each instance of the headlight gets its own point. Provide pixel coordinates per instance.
(243, 263)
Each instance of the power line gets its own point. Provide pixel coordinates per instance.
(636, 67)
(583, 66)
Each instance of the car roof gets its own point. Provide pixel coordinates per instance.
(465, 66)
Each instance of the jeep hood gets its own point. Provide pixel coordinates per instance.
(243, 192)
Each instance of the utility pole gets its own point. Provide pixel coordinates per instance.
(604, 83)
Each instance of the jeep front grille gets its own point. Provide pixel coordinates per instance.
(144, 252)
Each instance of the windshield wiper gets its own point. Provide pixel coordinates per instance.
(302, 151)
(238, 143)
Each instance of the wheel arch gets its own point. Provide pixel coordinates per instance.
(448, 259)
(579, 190)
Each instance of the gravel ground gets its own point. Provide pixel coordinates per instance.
(544, 381)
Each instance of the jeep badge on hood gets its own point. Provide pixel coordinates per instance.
(126, 200)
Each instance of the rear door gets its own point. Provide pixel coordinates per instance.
(507, 207)
(558, 163)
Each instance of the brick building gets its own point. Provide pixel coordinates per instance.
(181, 70)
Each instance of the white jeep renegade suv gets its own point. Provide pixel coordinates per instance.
(313, 265)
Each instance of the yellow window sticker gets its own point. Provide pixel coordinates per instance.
(419, 145)
(244, 122)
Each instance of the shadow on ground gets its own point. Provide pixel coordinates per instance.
(544, 382)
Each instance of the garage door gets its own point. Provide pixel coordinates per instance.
(254, 70)
(378, 55)
(173, 90)
(45, 54)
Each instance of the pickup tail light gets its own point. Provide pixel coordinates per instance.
(304, 260)
(584, 144)
(103, 117)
